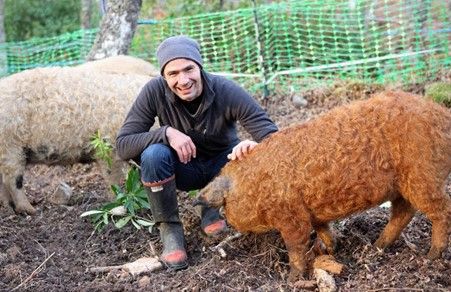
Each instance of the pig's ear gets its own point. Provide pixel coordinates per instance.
(220, 187)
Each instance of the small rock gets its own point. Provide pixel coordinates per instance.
(123, 275)
(144, 281)
(143, 265)
(61, 195)
(328, 264)
(12, 252)
(3, 259)
(299, 101)
(385, 205)
(325, 282)
(11, 272)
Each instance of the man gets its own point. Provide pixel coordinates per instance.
(197, 112)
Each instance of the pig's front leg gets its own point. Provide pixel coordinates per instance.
(296, 237)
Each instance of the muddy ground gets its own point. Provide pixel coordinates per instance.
(54, 249)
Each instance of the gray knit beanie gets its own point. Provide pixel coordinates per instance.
(178, 47)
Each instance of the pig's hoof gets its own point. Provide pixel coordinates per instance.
(332, 249)
(381, 243)
(25, 208)
(319, 248)
(294, 275)
(434, 253)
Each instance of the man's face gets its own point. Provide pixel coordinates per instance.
(184, 79)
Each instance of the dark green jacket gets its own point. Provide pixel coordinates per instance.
(212, 128)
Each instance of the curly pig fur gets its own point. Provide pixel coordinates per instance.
(393, 147)
(121, 64)
(48, 115)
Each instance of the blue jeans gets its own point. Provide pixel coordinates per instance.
(160, 163)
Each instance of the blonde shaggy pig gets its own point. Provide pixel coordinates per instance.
(121, 64)
(393, 147)
(48, 115)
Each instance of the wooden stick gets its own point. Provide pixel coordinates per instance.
(219, 248)
(141, 265)
(34, 272)
(105, 269)
(227, 239)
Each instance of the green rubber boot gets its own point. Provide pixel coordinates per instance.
(164, 208)
(211, 221)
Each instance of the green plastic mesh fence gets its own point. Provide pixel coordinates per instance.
(285, 46)
(64, 50)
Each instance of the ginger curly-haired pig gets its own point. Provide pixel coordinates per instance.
(392, 147)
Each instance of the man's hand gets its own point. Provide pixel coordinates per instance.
(242, 149)
(182, 144)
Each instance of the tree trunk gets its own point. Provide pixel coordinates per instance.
(116, 30)
(86, 12)
(102, 7)
(3, 54)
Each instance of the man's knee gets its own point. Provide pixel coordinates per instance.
(156, 154)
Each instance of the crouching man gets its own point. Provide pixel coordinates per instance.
(197, 112)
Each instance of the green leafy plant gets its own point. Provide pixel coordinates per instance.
(128, 203)
(193, 193)
(126, 207)
(103, 148)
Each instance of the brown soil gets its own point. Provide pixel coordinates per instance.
(54, 249)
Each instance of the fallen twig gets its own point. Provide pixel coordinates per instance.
(152, 250)
(33, 273)
(219, 248)
(146, 264)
